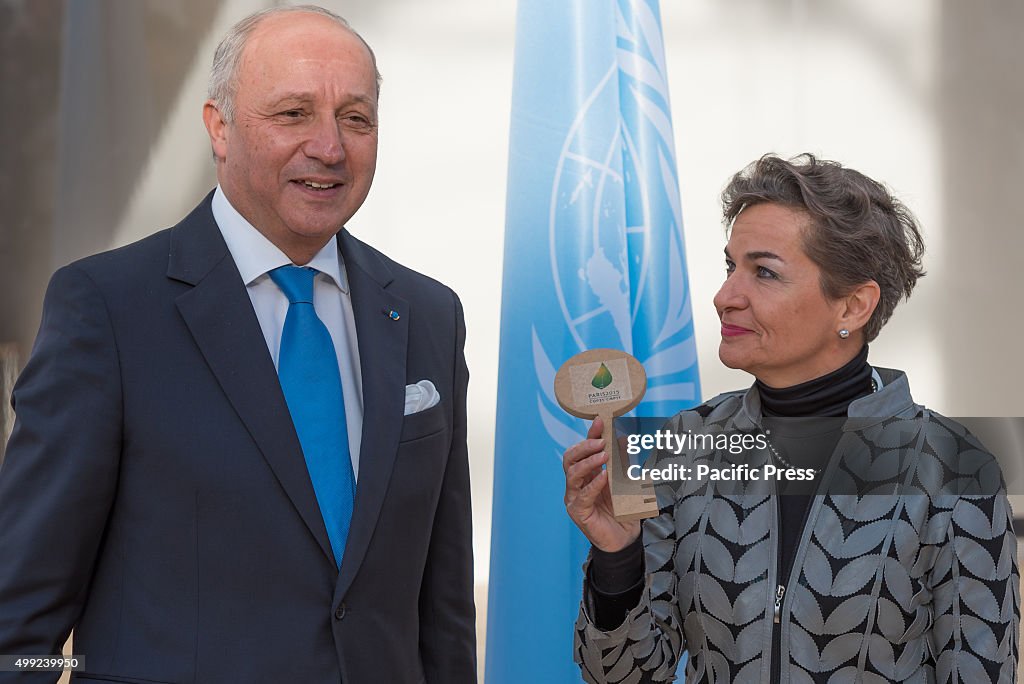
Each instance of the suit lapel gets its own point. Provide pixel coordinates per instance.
(383, 342)
(219, 314)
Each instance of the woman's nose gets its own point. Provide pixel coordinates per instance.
(730, 295)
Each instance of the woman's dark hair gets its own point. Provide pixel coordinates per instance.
(857, 231)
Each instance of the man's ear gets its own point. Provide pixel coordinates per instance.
(859, 304)
(217, 128)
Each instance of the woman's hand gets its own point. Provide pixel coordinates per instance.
(587, 499)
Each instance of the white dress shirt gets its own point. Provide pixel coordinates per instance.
(255, 256)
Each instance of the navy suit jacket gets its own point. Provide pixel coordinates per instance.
(155, 498)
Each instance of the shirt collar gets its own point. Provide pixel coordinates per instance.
(255, 255)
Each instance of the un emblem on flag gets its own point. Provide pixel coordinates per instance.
(615, 231)
(615, 234)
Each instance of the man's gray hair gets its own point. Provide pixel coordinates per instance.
(224, 72)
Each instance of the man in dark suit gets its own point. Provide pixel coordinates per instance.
(240, 448)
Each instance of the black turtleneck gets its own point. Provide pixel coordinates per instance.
(616, 579)
(826, 396)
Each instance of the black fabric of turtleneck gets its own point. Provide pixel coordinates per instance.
(829, 395)
(616, 579)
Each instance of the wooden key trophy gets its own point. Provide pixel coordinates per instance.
(604, 383)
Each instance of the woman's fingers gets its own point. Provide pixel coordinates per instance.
(581, 492)
(580, 451)
(586, 482)
(584, 472)
(583, 449)
(591, 492)
(581, 469)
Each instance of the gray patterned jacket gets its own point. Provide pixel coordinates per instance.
(916, 586)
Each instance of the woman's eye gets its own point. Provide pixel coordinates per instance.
(763, 272)
(729, 267)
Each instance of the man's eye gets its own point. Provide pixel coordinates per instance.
(291, 114)
(356, 121)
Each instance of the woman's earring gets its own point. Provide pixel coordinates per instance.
(844, 333)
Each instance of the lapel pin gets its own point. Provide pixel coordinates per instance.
(392, 314)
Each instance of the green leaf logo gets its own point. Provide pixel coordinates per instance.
(602, 378)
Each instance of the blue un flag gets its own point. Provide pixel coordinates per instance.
(594, 257)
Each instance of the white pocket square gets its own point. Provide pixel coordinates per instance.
(420, 397)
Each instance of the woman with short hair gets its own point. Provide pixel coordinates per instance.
(898, 564)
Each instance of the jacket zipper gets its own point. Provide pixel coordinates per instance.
(779, 593)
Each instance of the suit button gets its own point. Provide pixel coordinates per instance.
(340, 612)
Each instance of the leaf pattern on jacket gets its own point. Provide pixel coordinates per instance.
(914, 581)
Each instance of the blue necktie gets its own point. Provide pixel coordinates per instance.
(308, 369)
